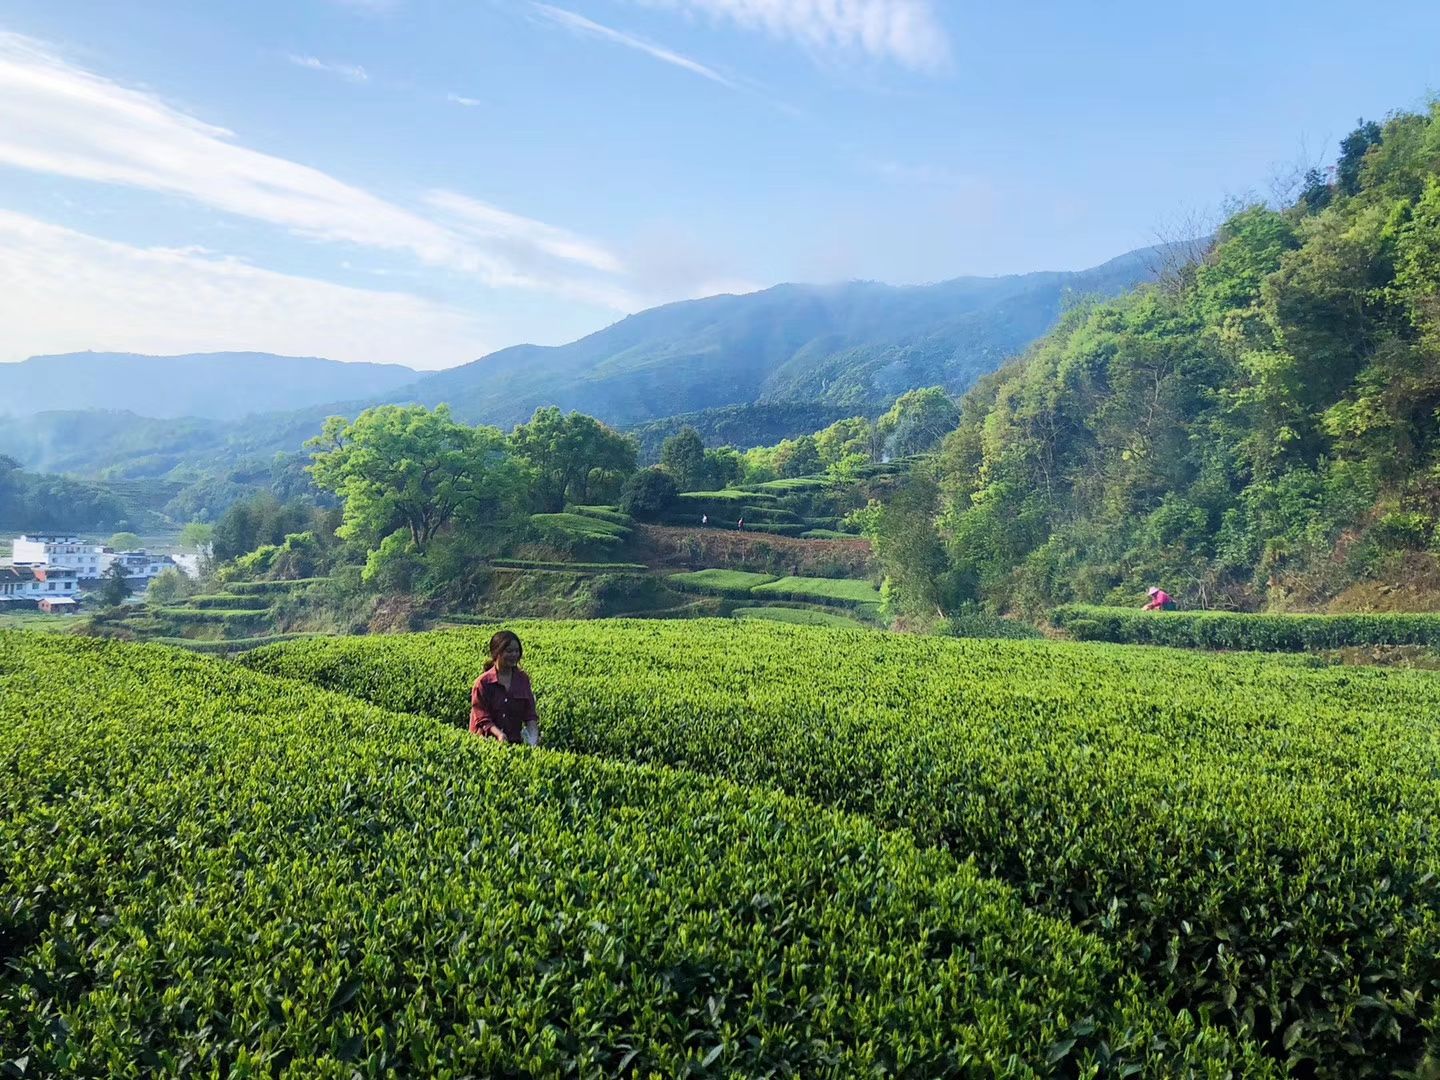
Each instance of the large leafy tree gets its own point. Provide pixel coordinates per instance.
(405, 473)
(682, 455)
(917, 421)
(572, 457)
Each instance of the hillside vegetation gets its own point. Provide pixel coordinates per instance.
(1259, 428)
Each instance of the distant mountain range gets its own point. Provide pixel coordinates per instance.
(219, 386)
(855, 347)
(762, 365)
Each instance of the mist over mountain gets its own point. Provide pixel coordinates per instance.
(220, 386)
(853, 346)
(745, 369)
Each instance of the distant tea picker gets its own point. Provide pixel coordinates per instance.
(1160, 600)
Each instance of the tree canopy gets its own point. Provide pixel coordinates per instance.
(409, 472)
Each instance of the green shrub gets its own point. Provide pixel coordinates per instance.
(611, 514)
(798, 617)
(718, 582)
(576, 532)
(228, 601)
(845, 591)
(975, 622)
(1237, 630)
(247, 588)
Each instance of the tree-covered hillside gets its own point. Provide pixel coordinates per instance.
(1259, 428)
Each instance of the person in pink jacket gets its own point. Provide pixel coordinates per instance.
(502, 705)
(1160, 600)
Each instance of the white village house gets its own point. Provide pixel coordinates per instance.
(64, 552)
(89, 561)
(26, 585)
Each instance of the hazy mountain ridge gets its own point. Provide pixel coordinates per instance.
(855, 346)
(219, 386)
(757, 366)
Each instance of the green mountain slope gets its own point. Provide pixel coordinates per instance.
(854, 346)
(1262, 429)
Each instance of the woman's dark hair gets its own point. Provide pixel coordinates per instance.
(501, 639)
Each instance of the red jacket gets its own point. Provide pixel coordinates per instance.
(494, 709)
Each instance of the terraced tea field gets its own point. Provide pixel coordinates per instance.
(1254, 835)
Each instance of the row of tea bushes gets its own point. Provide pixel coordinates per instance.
(1238, 630)
(205, 871)
(1257, 838)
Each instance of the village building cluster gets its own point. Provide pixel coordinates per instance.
(56, 573)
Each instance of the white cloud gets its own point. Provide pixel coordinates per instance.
(348, 72)
(491, 223)
(461, 99)
(62, 291)
(60, 120)
(907, 32)
(578, 24)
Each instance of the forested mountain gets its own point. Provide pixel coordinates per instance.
(746, 370)
(854, 347)
(1259, 428)
(214, 385)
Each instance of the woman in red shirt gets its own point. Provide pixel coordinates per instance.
(502, 705)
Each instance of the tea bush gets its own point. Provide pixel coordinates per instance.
(1254, 836)
(205, 871)
(1237, 630)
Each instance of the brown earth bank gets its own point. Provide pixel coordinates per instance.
(665, 546)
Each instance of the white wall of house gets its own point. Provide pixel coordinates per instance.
(39, 583)
(64, 552)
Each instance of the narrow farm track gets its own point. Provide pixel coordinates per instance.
(1253, 835)
(207, 870)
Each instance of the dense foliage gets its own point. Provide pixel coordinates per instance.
(1261, 426)
(39, 502)
(1255, 837)
(204, 871)
(1233, 630)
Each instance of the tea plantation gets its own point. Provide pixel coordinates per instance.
(1253, 836)
(751, 849)
(209, 871)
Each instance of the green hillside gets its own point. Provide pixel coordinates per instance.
(854, 346)
(1259, 429)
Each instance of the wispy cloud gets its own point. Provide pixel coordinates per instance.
(905, 173)
(578, 24)
(491, 223)
(62, 290)
(61, 120)
(907, 32)
(348, 72)
(462, 100)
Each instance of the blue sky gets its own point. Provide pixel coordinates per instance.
(422, 181)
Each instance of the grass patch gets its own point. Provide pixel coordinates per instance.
(719, 582)
(825, 590)
(799, 617)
